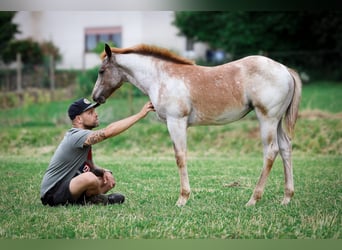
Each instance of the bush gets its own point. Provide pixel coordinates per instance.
(9, 100)
(30, 51)
(86, 81)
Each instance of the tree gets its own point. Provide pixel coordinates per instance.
(305, 39)
(8, 29)
(249, 32)
(31, 53)
(49, 49)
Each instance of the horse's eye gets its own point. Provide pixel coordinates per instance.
(101, 71)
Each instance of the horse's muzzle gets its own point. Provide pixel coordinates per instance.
(99, 99)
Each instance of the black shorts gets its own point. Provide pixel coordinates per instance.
(60, 195)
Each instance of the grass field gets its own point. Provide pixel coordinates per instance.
(145, 170)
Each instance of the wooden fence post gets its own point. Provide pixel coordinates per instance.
(19, 80)
(52, 77)
(19, 73)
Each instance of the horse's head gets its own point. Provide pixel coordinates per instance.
(109, 78)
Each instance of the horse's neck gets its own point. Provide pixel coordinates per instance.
(139, 70)
(142, 87)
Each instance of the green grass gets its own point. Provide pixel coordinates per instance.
(145, 170)
(325, 96)
(151, 187)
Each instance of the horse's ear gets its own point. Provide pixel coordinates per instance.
(108, 51)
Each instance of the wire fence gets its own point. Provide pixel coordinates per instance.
(20, 84)
(18, 77)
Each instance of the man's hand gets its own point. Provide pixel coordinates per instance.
(146, 108)
(108, 179)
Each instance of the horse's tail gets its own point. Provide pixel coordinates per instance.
(292, 111)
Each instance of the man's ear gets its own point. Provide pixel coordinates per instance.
(78, 119)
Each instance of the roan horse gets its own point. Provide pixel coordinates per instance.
(184, 94)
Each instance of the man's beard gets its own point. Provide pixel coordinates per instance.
(90, 127)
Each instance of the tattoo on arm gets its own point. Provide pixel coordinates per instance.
(95, 137)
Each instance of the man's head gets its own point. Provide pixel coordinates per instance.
(82, 113)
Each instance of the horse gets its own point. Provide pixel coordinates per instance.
(185, 94)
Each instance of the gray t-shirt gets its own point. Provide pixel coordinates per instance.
(67, 159)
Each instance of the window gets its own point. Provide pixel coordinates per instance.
(93, 36)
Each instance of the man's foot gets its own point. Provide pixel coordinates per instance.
(116, 198)
(103, 199)
(99, 199)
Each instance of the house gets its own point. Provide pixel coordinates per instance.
(76, 33)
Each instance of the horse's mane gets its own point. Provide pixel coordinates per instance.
(151, 50)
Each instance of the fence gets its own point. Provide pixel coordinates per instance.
(20, 83)
(28, 76)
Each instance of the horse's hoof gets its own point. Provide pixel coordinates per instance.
(285, 201)
(251, 202)
(181, 202)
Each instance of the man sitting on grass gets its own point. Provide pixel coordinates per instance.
(72, 177)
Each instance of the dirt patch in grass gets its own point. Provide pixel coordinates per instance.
(318, 114)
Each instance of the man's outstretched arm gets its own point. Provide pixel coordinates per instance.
(117, 127)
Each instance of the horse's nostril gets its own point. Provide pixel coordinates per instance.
(101, 100)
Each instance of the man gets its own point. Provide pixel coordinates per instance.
(72, 177)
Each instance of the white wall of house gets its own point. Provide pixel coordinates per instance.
(66, 29)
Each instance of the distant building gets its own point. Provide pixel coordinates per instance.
(76, 33)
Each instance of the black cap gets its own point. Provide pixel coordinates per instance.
(79, 106)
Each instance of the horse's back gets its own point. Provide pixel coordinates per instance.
(258, 68)
(227, 92)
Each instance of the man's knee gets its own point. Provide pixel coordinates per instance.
(90, 179)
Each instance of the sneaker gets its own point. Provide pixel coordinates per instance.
(115, 198)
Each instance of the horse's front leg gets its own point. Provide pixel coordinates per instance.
(177, 129)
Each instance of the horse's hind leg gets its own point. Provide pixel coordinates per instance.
(285, 153)
(268, 129)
